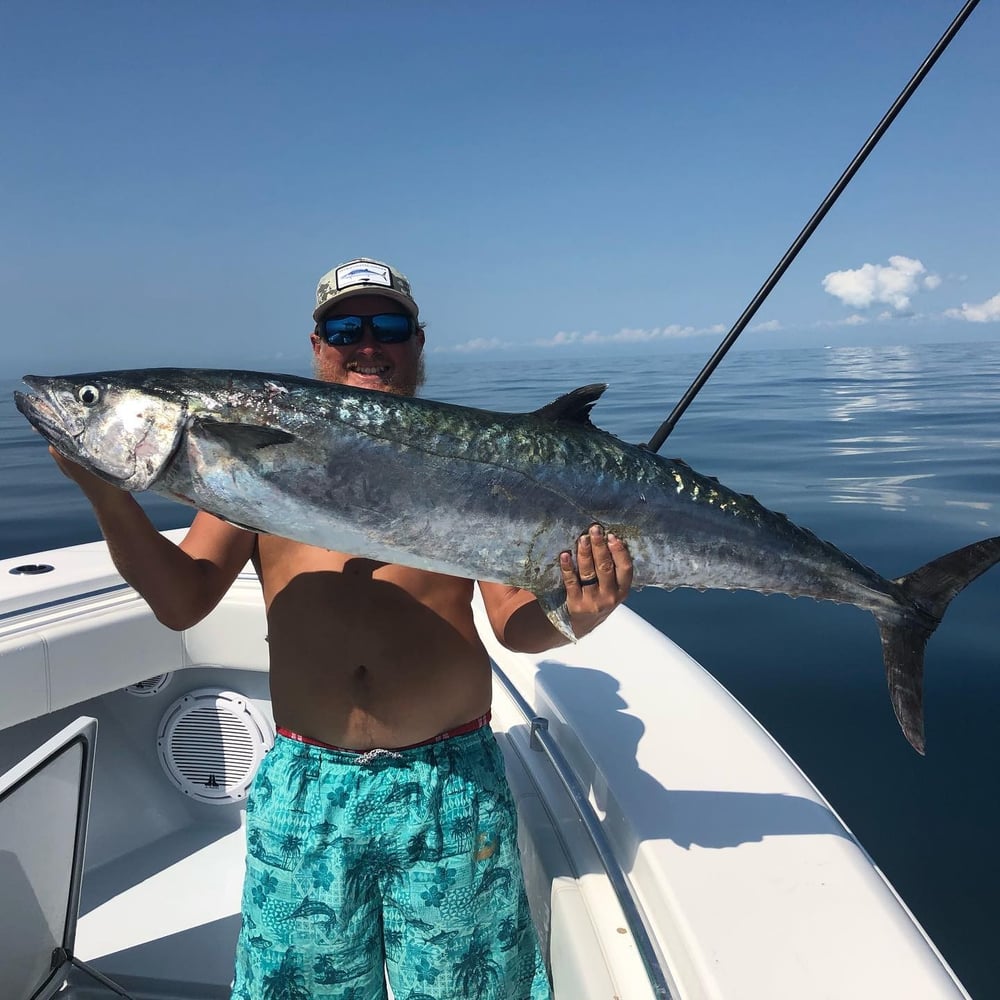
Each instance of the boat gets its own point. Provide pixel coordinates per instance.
(671, 848)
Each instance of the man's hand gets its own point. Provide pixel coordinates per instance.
(93, 487)
(599, 581)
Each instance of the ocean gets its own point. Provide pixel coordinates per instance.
(891, 454)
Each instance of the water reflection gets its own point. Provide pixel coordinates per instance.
(887, 492)
(874, 443)
(874, 362)
(866, 387)
(853, 370)
(969, 504)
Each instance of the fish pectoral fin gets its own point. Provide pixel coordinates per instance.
(244, 437)
(554, 606)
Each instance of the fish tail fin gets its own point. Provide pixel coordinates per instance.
(903, 655)
(931, 588)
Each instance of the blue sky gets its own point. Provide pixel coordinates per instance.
(551, 176)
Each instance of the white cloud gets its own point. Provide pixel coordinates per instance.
(562, 337)
(893, 284)
(480, 344)
(768, 327)
(984, 312)
(627, 335)
(855, 319)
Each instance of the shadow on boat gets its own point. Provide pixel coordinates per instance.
(688, 817)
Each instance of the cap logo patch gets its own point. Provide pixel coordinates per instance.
(363, 273)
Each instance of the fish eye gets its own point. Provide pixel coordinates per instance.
(88, 394)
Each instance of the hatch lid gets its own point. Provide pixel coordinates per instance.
(44, 811)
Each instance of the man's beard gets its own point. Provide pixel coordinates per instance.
(400, 390)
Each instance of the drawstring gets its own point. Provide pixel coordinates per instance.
(370, 756)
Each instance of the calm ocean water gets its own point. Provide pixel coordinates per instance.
(890, 453)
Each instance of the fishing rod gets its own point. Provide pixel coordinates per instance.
(656, 441)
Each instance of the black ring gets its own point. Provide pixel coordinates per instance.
(588, 583)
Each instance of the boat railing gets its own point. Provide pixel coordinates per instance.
(542, 741)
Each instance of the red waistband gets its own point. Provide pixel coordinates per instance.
(468, 727)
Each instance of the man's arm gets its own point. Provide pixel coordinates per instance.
(522, 626)
(181, 583)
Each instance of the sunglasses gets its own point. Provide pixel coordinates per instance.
(386, 328)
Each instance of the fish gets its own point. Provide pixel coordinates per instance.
(473, 493)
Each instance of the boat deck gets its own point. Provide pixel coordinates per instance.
(670, 793)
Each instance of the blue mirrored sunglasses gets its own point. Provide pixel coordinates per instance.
(386, 328)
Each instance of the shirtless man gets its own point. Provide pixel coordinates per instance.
(380, 828)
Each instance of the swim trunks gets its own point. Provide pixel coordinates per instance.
(397, 860)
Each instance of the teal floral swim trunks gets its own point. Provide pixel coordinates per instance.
(403, 862)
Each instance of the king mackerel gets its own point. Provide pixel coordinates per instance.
(368, 472)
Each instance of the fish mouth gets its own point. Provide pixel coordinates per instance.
(50, 420)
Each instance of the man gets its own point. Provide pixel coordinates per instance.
(380, 828)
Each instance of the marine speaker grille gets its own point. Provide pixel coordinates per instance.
(150, 686)
(211, 742)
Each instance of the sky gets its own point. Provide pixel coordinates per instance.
(552, 177)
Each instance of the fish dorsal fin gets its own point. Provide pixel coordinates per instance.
(245, 437)
(574, 407)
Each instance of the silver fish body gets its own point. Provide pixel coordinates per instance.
(471, 493)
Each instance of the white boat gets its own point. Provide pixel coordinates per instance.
(671, 848)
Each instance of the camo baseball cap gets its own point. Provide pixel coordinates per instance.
(363, 276)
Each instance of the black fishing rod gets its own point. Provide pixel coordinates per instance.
(656, 441)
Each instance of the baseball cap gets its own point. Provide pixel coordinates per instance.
(363, 276)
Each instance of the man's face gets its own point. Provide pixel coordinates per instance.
(369, 364)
